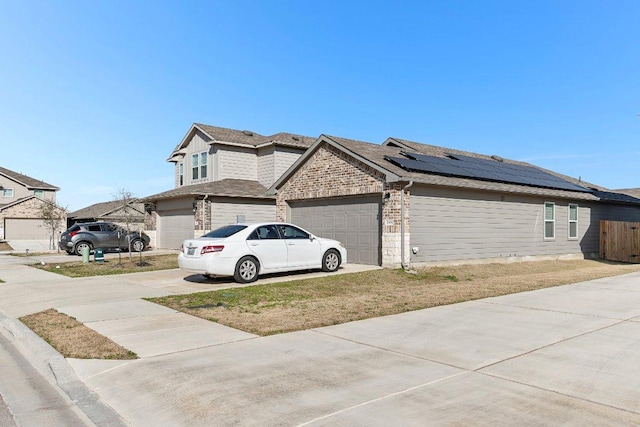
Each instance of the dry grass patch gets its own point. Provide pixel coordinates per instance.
(73, 339)
(304, 304)
(113, 265)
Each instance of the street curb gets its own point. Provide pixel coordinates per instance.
(57, 371)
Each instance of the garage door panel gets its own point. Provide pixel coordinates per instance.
(25, 229)
(175, 226)
(354, 221)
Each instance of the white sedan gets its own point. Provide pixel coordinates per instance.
(245, 251)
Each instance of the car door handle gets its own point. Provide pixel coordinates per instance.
(290, 243)
(253, 244)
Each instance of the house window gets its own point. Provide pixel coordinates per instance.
(199, 165)
(7, 192)
(203, 165)
(573, 221)
(39, 193)
(549, 220)
(181, 173)
(194, 166)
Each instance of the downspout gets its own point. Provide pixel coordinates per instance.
(402, 263)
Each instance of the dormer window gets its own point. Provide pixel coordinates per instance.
(7, 192)
(39, 193)
(199, 165)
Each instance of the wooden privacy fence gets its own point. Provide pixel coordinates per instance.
(620, 241)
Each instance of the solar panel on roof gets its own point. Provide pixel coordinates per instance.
(482, 169)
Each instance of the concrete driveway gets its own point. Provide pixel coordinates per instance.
(565, 355)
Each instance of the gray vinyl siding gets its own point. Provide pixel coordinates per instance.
(198, 144)
(284, 158)
(266, 168)
(225, 211)
(19, 190)
(449, 225)
(237, 163)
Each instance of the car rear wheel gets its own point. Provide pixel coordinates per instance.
(137, 245)
(246, 270)
(80, 247)
(331, 260)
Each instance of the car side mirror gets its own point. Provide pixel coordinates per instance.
(312, 237)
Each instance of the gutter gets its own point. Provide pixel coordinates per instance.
(402, 255)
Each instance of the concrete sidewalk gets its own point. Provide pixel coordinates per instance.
(564, 355)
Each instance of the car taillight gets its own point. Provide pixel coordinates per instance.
(73, 233)
(182, 248)
(209, 249)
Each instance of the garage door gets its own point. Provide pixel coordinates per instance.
(25, 229)
(353, 221)
(174, 227)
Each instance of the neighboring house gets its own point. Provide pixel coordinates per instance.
(221, 177)
(404, 202)
(112, 211)
(21, 199)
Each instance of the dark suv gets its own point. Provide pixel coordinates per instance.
(105, 235)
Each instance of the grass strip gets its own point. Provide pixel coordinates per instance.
(304, 304)
(72, 338)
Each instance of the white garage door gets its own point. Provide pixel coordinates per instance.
(354, 221)
(25, 229)
(174, 227)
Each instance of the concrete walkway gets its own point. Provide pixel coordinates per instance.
(565, 355)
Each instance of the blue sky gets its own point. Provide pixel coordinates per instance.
(95, 95)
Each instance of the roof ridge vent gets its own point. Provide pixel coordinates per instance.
(497, 158)
(247, 132)
(295, 138)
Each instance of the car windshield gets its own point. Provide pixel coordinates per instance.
(226, 231)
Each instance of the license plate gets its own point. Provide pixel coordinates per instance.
(191, 251)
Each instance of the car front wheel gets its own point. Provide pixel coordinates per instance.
(80, 247)
(331, 260)
(246, 270)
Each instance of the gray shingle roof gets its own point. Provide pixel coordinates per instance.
(291, 140)
(98, 210)
(433, 150)
(27, 181)
(231, 135)
(226, 188)
(248, 137)
(375, 154)
(635, 192)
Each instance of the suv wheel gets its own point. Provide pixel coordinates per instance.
(80, 247)
(137, 245)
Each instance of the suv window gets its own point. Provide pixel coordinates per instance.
(93, 227)
(110, 227)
